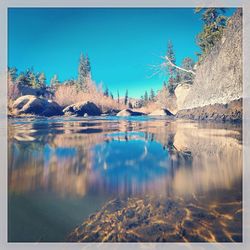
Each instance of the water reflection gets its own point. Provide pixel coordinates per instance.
(144, 179)
(123, 157)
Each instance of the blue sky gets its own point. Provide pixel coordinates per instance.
(121, 43)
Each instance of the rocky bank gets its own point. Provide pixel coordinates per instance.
(218, 79)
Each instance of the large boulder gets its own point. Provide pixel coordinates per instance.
(161, 112)
(82, 108)
(30, 104)
(181, 92)
(129, 112)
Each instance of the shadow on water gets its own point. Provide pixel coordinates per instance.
(63, 170)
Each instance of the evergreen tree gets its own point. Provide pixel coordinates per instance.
(118, 96)
(142, 102)
(12, 72)
(164, 85)
(188, 64)
(111, 95)
(41, 80)
(171, 56)
(106, 92)
(54, 81)
(177, 77)
(84, 73)
(126, 98)
(88, 67)
(28, 75)
(33, 80)
(152, 95)
(22, 80)
(70, 82)
(81, 70)
(171, 85)
(172, 72)
(214, 24)
(146, 97)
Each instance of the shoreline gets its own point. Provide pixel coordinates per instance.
(221, 113)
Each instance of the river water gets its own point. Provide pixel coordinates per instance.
(104, 173)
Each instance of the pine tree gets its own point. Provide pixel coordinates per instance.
(111, 95)
(41, 80)
(54, 81)
(172, 72)
(33, 80)
(171, 85)
(171, 56)
(22, 80)
(152, 95)
(164, 85)
(84, 73)
(126, 98)
(88, 67)
(81, 70)
(106, 92)
(118, 96)
(214, 24)
(146, 97)
(12, 72)
(188, 64)
(27, 75)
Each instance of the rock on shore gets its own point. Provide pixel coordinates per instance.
(30, 104)
(82, 108)
(161, 112)
(129, 112)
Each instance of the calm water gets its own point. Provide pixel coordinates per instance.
(63, 170)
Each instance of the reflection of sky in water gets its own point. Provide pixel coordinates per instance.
(133, 161)
(62, 153)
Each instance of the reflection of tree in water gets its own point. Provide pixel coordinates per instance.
(178, 158)
(42, 159)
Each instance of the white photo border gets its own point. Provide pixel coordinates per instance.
(5, 4)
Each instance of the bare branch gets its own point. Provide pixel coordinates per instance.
(157, 69)
(173, 65)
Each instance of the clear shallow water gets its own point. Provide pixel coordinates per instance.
(63, 170)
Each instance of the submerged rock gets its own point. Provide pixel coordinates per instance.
(149, 220)
(30, 104)
(161, 112)
(82, 109)
(129, 112)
